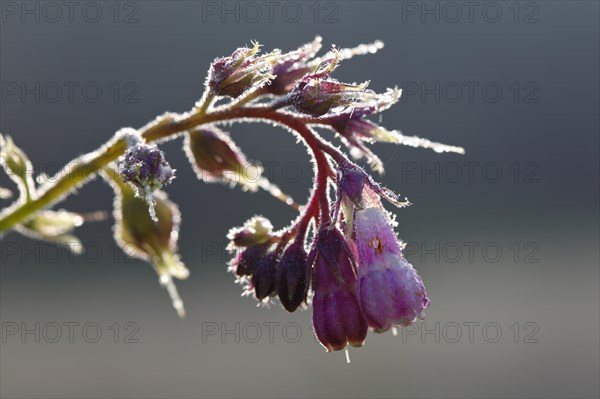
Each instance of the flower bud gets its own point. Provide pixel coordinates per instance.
(257, 230)
(152, 240)
(17, 166)
(390, 290)
(232, 76)
(337, 318)
(215, 157)
(246, 261)
(263, 278)
(351, 183)
(291, 277)
(293, 66)
(145, 166)
(316, 96)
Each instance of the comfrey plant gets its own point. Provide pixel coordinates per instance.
(340, 254)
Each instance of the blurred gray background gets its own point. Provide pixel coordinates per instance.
(515, 83)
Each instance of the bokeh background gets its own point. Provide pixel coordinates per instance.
(515, 317)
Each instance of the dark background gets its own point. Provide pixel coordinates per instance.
(544, 219)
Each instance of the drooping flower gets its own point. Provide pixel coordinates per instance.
(244, 69)
(390, 290)
(292, 277)
(337, 317)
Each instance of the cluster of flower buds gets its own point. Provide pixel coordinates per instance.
(265, 266)
(351, 267)
(354, 271)
(145, 167)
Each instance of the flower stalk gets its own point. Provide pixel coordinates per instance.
(341, 254)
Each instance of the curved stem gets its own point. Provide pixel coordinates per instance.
(168, 125)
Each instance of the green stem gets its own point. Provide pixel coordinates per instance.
(74, 177)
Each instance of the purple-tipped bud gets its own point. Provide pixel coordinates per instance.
(293, 66)
(337, 318)
(232, 76)
(246, 261)
(145, 166)
(263, 278)
(216, 158)
(257, 230)
(390, 290)
(316, 96)
(291, 277)
(351, 184)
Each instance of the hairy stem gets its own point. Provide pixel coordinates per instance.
(163, 127)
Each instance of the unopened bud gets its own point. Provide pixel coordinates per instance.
(351, 184)
(292, 276)
(257, 230)
(145, 166)
(232, 76)
(152, 240)
(293, 66)
(263, 278)
(245, 262)
(316, 94)
(216, 158)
